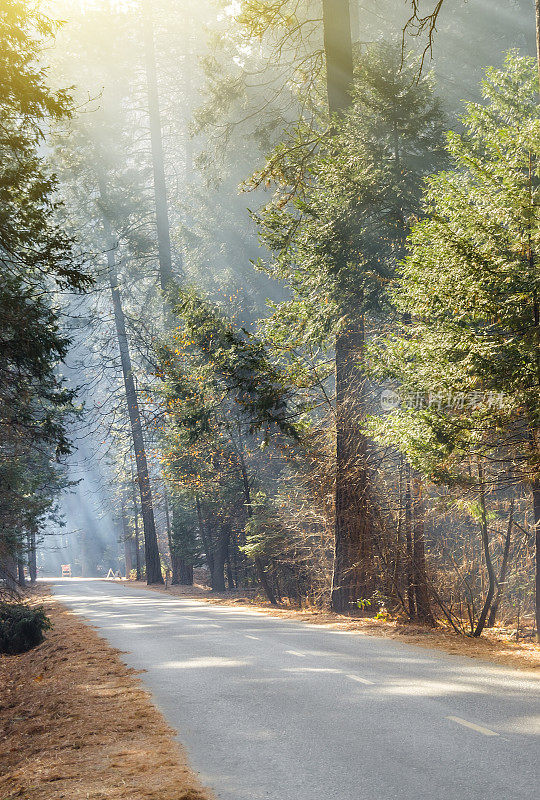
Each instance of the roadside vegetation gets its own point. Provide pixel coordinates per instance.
(21, 627)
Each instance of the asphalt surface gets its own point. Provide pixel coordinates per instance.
(272, 708)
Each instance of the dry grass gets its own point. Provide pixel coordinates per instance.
(75, 724)
(494, 645)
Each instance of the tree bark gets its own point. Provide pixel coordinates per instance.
(182, 572)
(87, 567)
(186, 574)
(536, 518)
(167, 517)
(8, 572)
(352, 574)
(421, 590)
(21, 579)
(353, 577)
(534, 432)
(158, 167)
(136, 526)
(153, 563)
(220, 558)
(338, 52)
(409, 572)
(126, 537)
(32, 557)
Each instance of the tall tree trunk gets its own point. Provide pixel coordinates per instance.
(182, 568)
(186, 574)
(182, 572)
(158, 167)
(534, 432)
(536, 518)
(338, 52)
(261, 574)
(32, 556)
(230, 576)
(355, 21)
(136, 526)
(220, 558)
(206, 539)
(487, 557)
(167, 516)
(398, 565)
(537, 20)
(504, 568)
(352, 579)
(87, 568)
(234, 563)
(153, 564)
(418, 556)
(21, 579)
(8, 572)
(409, 543)
(421, 590)
(126, 537)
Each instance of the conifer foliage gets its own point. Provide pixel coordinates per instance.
(467, 367)
(36, 258)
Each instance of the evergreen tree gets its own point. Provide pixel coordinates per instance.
(337, 232)
(37, 258)
(220, 388)
(470, 358)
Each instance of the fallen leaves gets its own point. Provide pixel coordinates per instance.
(76, 725)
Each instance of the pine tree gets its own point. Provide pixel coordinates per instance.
(471, 283)
(219, 388)
(36, 257)
(336, 244)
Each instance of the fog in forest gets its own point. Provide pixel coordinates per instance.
(278, 354)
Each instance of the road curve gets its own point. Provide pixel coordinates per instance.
(279, 709)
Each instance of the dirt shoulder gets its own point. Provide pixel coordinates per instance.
(494, 645)
(75, 724)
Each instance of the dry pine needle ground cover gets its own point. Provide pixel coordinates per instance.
(75, 724)
(494, 645)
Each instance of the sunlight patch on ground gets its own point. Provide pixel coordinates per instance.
(527, 726)
(427, 688)
(203, 663)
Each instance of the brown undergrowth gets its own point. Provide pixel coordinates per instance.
(495, 645)
(75, 723)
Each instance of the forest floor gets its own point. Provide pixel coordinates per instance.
(75, 723)
(497, 645)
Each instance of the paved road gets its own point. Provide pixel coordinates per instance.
(278, 709)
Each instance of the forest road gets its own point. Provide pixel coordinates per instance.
(273, 708)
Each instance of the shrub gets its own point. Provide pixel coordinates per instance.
(21, 627)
